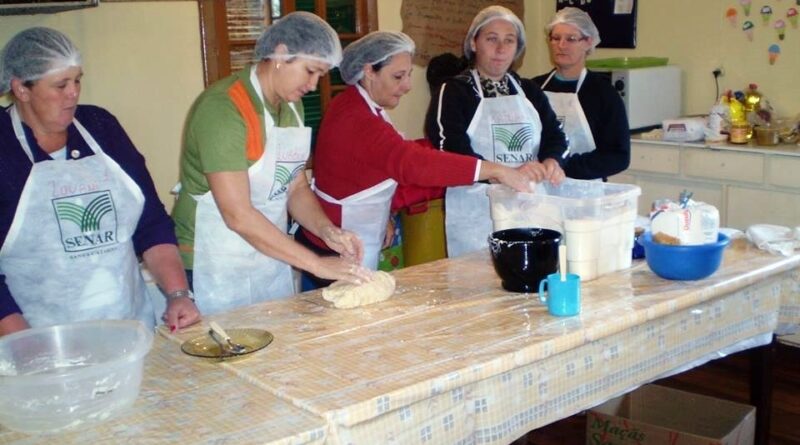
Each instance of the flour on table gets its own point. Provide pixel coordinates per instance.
(344, 295)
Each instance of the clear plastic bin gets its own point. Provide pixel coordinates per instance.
(66, 376)
(596, 218)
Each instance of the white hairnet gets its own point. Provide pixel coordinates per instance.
(488, 14)
(34, 53)
(305, 35)
(373, 48)
(579, 19)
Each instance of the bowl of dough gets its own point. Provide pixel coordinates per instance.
(65, 376)
(683, 262)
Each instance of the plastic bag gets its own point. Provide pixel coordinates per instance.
(777, 240)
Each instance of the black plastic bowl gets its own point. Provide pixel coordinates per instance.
(524, 257)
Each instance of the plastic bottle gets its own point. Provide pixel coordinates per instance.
(716, 118)
(752, 99)
(737, 114)
(740, 130)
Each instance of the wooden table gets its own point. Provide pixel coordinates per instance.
(452, 358)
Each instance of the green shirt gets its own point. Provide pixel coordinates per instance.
(214, 141)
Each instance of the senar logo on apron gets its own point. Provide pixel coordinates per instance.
(509, 141)
(285, 172)
(87, 221)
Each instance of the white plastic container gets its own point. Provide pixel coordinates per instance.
(64, 376)
(596, 218)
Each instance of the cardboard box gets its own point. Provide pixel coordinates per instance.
(659, 415)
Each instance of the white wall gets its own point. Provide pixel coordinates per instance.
(694, 35)
(142, 62)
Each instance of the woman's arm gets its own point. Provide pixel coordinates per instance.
(231, 191)
(164, 263)
(12, 323)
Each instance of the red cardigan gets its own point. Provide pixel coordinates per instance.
(357, 149)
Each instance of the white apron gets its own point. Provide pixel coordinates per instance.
(75, 218)
(228, 271)
(570, 113)
(506, 130)
(366, 213)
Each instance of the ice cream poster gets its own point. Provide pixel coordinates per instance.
(778, 21)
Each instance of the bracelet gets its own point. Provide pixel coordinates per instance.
(180, 293)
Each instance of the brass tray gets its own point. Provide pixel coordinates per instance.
(204, 346)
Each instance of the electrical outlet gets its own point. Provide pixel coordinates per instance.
(718, 71)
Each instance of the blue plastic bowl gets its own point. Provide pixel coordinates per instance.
(683, 262)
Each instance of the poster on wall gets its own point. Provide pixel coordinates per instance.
(19, 7)
(439, 26)
(615, 19)
(772, 26)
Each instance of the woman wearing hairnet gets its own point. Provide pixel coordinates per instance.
(591, 110)
(360, 158)
(242, 168)
(77, 199)
(490, 113)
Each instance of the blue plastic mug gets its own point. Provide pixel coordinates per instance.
(563, 297)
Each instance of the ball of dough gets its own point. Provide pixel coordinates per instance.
(345, 295)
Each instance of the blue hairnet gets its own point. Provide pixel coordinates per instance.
(373, 48)
(489, 14)
(35, 52)
(579, 19)
(305, 35)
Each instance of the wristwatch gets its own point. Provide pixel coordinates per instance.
(180, 293)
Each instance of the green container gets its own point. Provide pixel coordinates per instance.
(627, 62)
(391, 258)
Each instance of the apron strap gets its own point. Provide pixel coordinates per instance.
(376, 109)
(254, 140)
(377, 188)
(581, 78)
(16, 123)
(268, 120)
(477, 80)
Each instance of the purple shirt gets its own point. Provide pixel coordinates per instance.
(154, 227)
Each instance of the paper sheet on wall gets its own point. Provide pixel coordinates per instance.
(623, 6)
(440, 26)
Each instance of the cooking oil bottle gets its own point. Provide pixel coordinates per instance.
(740, 130)
(752, 101)
(736, 110)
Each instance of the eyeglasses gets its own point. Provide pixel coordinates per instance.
(569, 40)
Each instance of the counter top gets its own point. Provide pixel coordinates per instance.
(751, 147)
(453, 358)
(451, 347)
